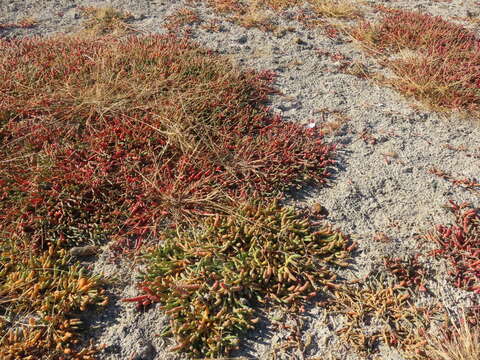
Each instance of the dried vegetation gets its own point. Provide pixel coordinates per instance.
(261, 13)
(379, 311)
(459, 342)
(466, 183)
(41, 289)
(433, 60)
(105, 20)
(104, 151)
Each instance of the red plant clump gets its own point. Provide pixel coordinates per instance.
(443, 66)
(460, 244)
(114, 137)
(408, 271)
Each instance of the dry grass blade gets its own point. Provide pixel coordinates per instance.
(459, 342)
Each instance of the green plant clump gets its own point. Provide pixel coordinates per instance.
(208, 280)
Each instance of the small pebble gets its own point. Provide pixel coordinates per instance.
(318, 209)
(242, 39)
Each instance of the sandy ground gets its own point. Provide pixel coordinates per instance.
(387, 145)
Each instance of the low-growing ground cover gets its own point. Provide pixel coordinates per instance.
(105, 148)
(252, 13)
(156, 141)
(24, 23)
(379, 310)
(41, 292)
(125, 138)
(459, 243)
(208, 279)
(263, 14)
(433, 60)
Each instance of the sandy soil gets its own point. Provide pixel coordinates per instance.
(387, 146)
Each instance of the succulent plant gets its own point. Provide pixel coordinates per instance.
(209, 279)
